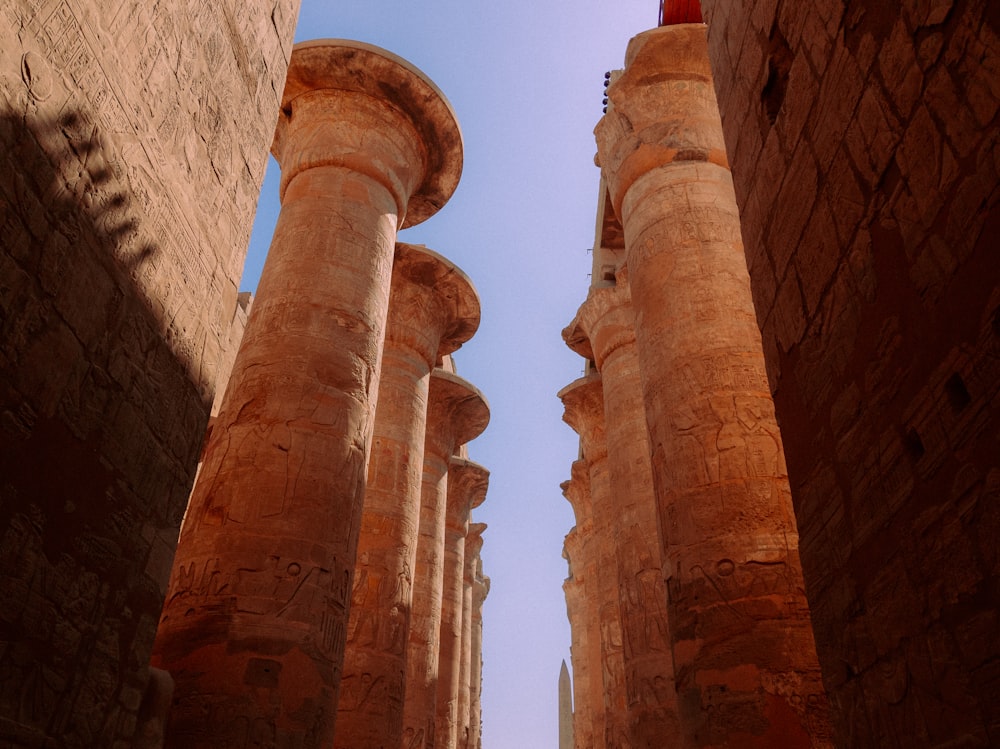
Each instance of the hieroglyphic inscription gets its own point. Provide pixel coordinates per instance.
(124, 214)
(188, 165)
(281, 590)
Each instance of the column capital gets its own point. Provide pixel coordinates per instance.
(573, 544)
(431, 293)
(577, 491)
(401, 131)
(481, 590)
(655, 119)
(583, 410)
(604, 323)
(474, 539)
(467, 485)
(459, 404)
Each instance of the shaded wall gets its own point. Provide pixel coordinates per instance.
(133, 139)
(863, 144)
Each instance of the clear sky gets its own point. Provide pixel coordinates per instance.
(526, 79)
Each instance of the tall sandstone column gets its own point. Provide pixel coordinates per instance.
(467, 484)
(580, 589)
(604, 330)
(133, 140)
(456, 413)
(466, 686)
(583, 401)
(480, 589)
(254, 626)
(743, 647)
(433, 309)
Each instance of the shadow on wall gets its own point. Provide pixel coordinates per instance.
(100, 426)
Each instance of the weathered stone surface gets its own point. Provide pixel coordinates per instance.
(583, 402)
(581, 590)
(433, 309)
(227, 355)
(256, 617)
(456, 413)
(133, 138)
(746, 670)
(606, 322)
(467, 485)
(871, 128)
(480, 589)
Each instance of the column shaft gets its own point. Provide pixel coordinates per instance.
(256, 612)
(584, 403)
(607, 320)
(425, 626)
(481, 589)
(743, 650)
(467, 482)
(465, 664)
(612, 658)
(450, 651)
(576, 609)
(457, 412)
(432, 310)
(255, 620)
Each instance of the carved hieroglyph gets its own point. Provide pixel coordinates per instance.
(865, 166)
(465, 662)
(457, 412)
(743, 650)
(480, 589)
(580, 587)
(133, 138)
(433, 309)
(467, 485)
(256, 616)
(583, 401)
(605, 328)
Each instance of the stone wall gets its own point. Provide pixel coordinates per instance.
(133, 139)
(863, 141)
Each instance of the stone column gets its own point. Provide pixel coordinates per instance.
(580, 590)
(743, 648)
(254, 624)
(604, 330)
(457, 412)
(583, 401)
(480, 589)
(467, 484)
(433, 309)
(473, 543)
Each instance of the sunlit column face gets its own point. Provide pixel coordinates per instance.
(607, 321)
(432, 309)
(718, 473)
(457, 412)
(258, 610)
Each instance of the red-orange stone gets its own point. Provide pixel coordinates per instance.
(679, 11)
(739, 620)
(433, 309)
(255, 621)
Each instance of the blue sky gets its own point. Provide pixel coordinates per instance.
(525, 78)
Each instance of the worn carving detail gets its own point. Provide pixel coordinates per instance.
(277, 508)
(124, 218)
(863, 142)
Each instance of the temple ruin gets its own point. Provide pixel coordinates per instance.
(832, 583)
(235, 521)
